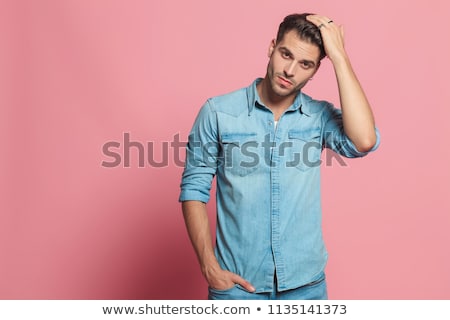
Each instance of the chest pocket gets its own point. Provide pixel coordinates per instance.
(305, 150)
(240, 153)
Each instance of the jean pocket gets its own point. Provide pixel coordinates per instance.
(218, 294)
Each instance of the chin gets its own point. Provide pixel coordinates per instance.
(283, 92)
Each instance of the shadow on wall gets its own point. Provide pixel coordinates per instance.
(153, 258)
(168, 270)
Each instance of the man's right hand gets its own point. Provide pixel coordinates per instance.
(197, 224)
(222, 280)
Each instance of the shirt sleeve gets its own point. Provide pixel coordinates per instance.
(201, 156)
(335, 138)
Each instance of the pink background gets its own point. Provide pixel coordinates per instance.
(77, 74)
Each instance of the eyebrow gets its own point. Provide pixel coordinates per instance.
(306, 61)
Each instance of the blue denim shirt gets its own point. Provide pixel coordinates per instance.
(268, 183)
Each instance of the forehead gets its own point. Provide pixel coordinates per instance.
(301, 49)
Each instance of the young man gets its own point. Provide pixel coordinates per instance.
(263, 144)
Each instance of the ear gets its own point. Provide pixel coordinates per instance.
(272, 46)
(317, 68)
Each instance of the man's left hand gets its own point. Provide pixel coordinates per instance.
(332, 36)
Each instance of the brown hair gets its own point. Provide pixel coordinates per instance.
(306, 30)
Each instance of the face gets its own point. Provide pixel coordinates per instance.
(292, 63)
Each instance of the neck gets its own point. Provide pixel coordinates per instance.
(276, 103)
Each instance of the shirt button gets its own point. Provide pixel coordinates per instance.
(270, 123)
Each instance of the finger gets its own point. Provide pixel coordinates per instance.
(321, 21)
(243, 283)
(316, 19)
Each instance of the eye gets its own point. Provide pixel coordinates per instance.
(285, 54)
(305, 64)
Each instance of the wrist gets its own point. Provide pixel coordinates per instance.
(339, 59)
(210, 268)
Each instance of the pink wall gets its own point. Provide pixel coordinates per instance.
(78, 74)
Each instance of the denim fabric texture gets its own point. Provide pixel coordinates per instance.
(316, 290)
(269, 217)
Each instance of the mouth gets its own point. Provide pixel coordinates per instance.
(284, 82)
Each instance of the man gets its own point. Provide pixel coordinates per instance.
(263, 144)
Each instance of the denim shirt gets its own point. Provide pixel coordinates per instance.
(268, 183)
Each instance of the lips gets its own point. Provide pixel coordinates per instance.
(284, 81)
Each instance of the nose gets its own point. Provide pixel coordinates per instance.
(289, 68)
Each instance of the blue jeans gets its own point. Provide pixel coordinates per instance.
(316, 290)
